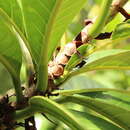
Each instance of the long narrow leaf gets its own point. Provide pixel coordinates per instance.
(92, 122)
(10, 54)
(110, 59)
(43, 104)
(116, 98)
(118, 115)
(80, 91)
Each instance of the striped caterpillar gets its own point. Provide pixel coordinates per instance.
(56, 67)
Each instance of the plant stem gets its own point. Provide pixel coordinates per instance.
(43, 64)
(24, 113)
(18, 90)
(100, 22)
(43, 74)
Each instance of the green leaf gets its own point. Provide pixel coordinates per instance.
(9, 19)
(118, 98)
(10, 53)
(29, 19)
(35, 18)
(5, 79)
(99, 23)
(42, 21)
(41, 24)
(90, 90)
(113, 23)
(9, 48)
(11, 8)
(42, 104)
(92, 122)
(118, 115)
(121, 31)
(109, 59)
(84, 82)
(75, 58)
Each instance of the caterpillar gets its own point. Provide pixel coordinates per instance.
(56, 67)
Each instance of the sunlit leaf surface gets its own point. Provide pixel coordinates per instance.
(109, 59)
